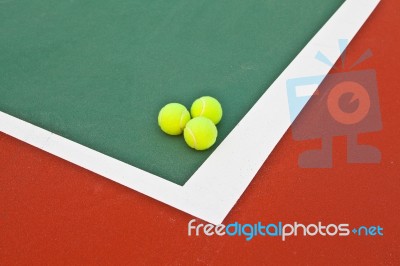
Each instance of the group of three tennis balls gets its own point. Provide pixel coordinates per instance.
(198, 127)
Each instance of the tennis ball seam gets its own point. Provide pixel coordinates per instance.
(203, 106)
(180, 122)
(193, 137)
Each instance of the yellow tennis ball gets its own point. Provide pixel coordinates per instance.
(172, 118)
(200, 133)
(208, 107)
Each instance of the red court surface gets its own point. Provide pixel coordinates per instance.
(52, 212)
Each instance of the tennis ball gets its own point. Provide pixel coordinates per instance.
(200, 133)
(172, 118)
(208, 107)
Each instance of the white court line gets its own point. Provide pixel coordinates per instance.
(306, 90)
(217, 185)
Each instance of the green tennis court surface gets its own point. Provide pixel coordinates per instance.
(98, 72)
